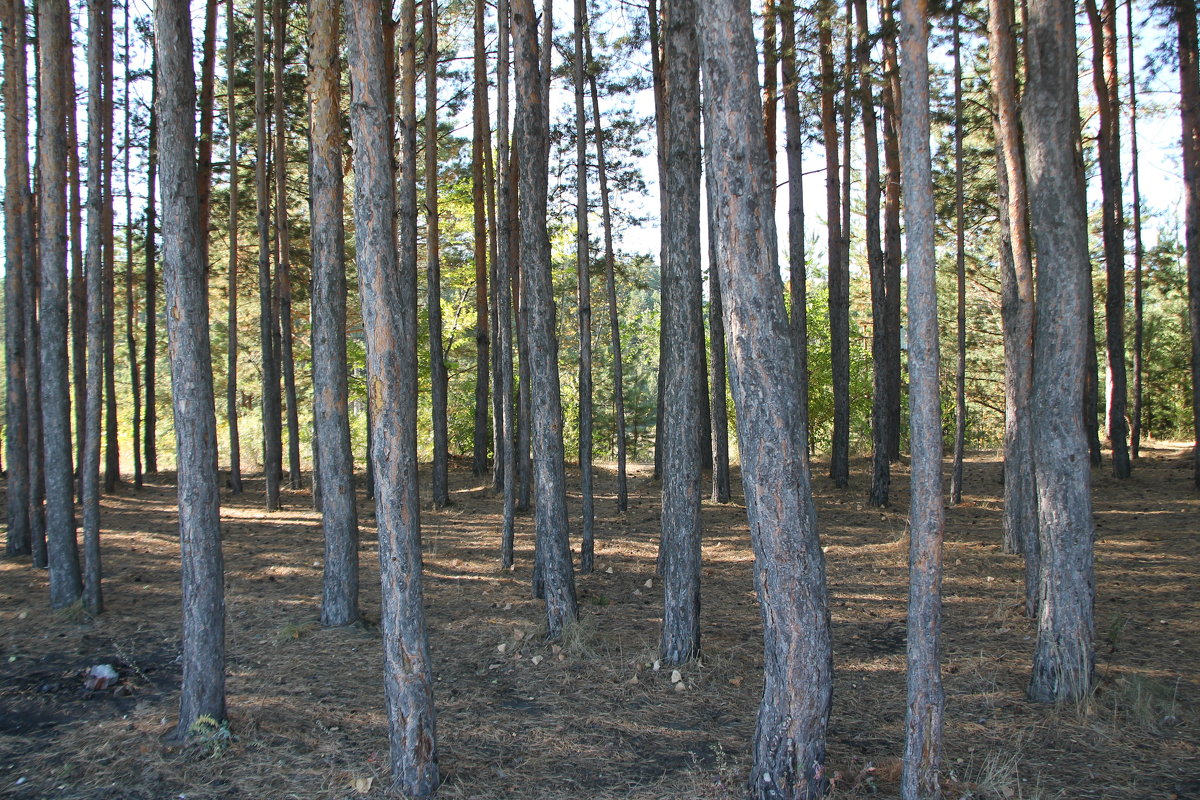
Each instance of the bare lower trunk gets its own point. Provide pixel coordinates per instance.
(433, 271)
(504, 282)
(1135, 435)
(583, 258)
(231, 378)
(112, 454)
(283, 267)
(1189, 114)
(149, 440)
(271, 420)
(960, 273)
(130, 304)
(479, 135)
(890, 97)
(716, 327)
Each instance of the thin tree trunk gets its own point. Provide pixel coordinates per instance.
(33, 365)
(1091, 393)
(438, 376)
(505, 258)
(78, 319)
(112, 453)
(789, 740)
(1064, 658)
(388, 287)
(926, 699)
(479, 135)
(1189, 114)
(583, 259)
(891, 96)
(55, 44)
(208, 105)
(1107, 82)
(716, 331)
(16, 220)
(532, 142)
(283, 267)
(203, 685)
(960, 271)
(770, 89)
(272, 434)
(1017, 303)
(231, 381)
(335, 461)
(149, 441)
(1135, 437)
(130, 304)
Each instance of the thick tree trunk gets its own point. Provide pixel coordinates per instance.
(789, 741)
(389, 301)
(149, 440)
(16, 220)
(891, 226)
(926, 699)
(532, 142)
(203, 687)
(438, 377)
(1107, 83)
(683, 332)
(231, 380)
(272, 433)
(55, 43)
(1064, 657)
(1017, 303)
(1189, 114)
(960, 273)
(335, 461)
(505, 258)
(130, 304)
(797, 264)
(479, 135)
(283, 267)
(1135, 434)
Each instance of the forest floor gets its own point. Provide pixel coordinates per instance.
(519, 718)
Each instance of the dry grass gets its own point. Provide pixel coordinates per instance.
(591, 717)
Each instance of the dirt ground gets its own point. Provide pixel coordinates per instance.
(592, 718)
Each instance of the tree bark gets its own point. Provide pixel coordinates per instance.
(231, 381)
(130, 304)
(891, 97)
(283, 267)
(388, 287)
(112, 453)
(208, 105)
(1189, 114)
(960, 272)
(583, 259)
(78, 320)
(149, 440)
(1017, 303)
(1064, 658)
(203, 686)
(532, 142)
(770, 87)
(480, 134)
(54, 33)
(789, 740)
(16, 220)
(926, 699)
(797, 263)
(716, 331)
(505, 258)
(1135, 435)
(438, 376)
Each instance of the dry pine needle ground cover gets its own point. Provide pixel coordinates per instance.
(592, 718)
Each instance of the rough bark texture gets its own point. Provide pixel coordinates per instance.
(532, 143)
(438, 377)
(203, 687)
(683, 331)
(1189, 113)
(231, 378)
(272, 431)
(62, 553)
(1063, 660)
(1107, 83)
(583, 264)
(1017, 303)
(839, 279)
(283, 267)
(789, 741)
(1135, 432)
(926, 699)
(479, 135)
(504, 283)
(389, 302)
(16, 219)
(335, 461)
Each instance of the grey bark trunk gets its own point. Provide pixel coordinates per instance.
(208, 106)
(1135, 434)
(283, 267)
(583, 264)
(78, 319)
(112, 453)
(480, 134)
(438, 377)
(960, 273)
(504, 282)
(789, 740)
(717, 376)
(231, 380)
(149, 440)
(130, 303)
(1189, 114)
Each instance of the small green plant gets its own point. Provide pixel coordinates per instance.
(294, 631)
(209, 737)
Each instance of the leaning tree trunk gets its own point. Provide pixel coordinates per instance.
(283, 267)
(583, 272)
(335, 461)
(184, 277)
(388, 287)
(1189, 114)
(532, 142)
(438, 377)
(54, 32)
(231, 379)
(1064, 658)
(926, 699)
(789, 741)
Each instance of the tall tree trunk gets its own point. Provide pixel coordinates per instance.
(283, 267)
(335, 461)
(149, 440)
(683, 331)
(532, 142)
(1091, 393)
(112, 453)
(1017, 302)
(583, 259)
(1189, 114)
(1064, 658)
(203, 686)
(1135, 436)
(54, 34)
(1107, 82)
(438, 376)
(716, 329)
(479, 135)
(890, 96)
(33, 364)
(272, 432)
(839, 467)
(231, 380)
(208, 105)
(16, 220)
(505, 258)
(388, 287)
(797, 266)
(881, 477)
(770, 88)
(610, 286)
(130, 304)
(78, 314)
(789, 741)
(926, 700)
(960, 272)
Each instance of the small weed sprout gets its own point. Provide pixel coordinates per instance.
(209, 737)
